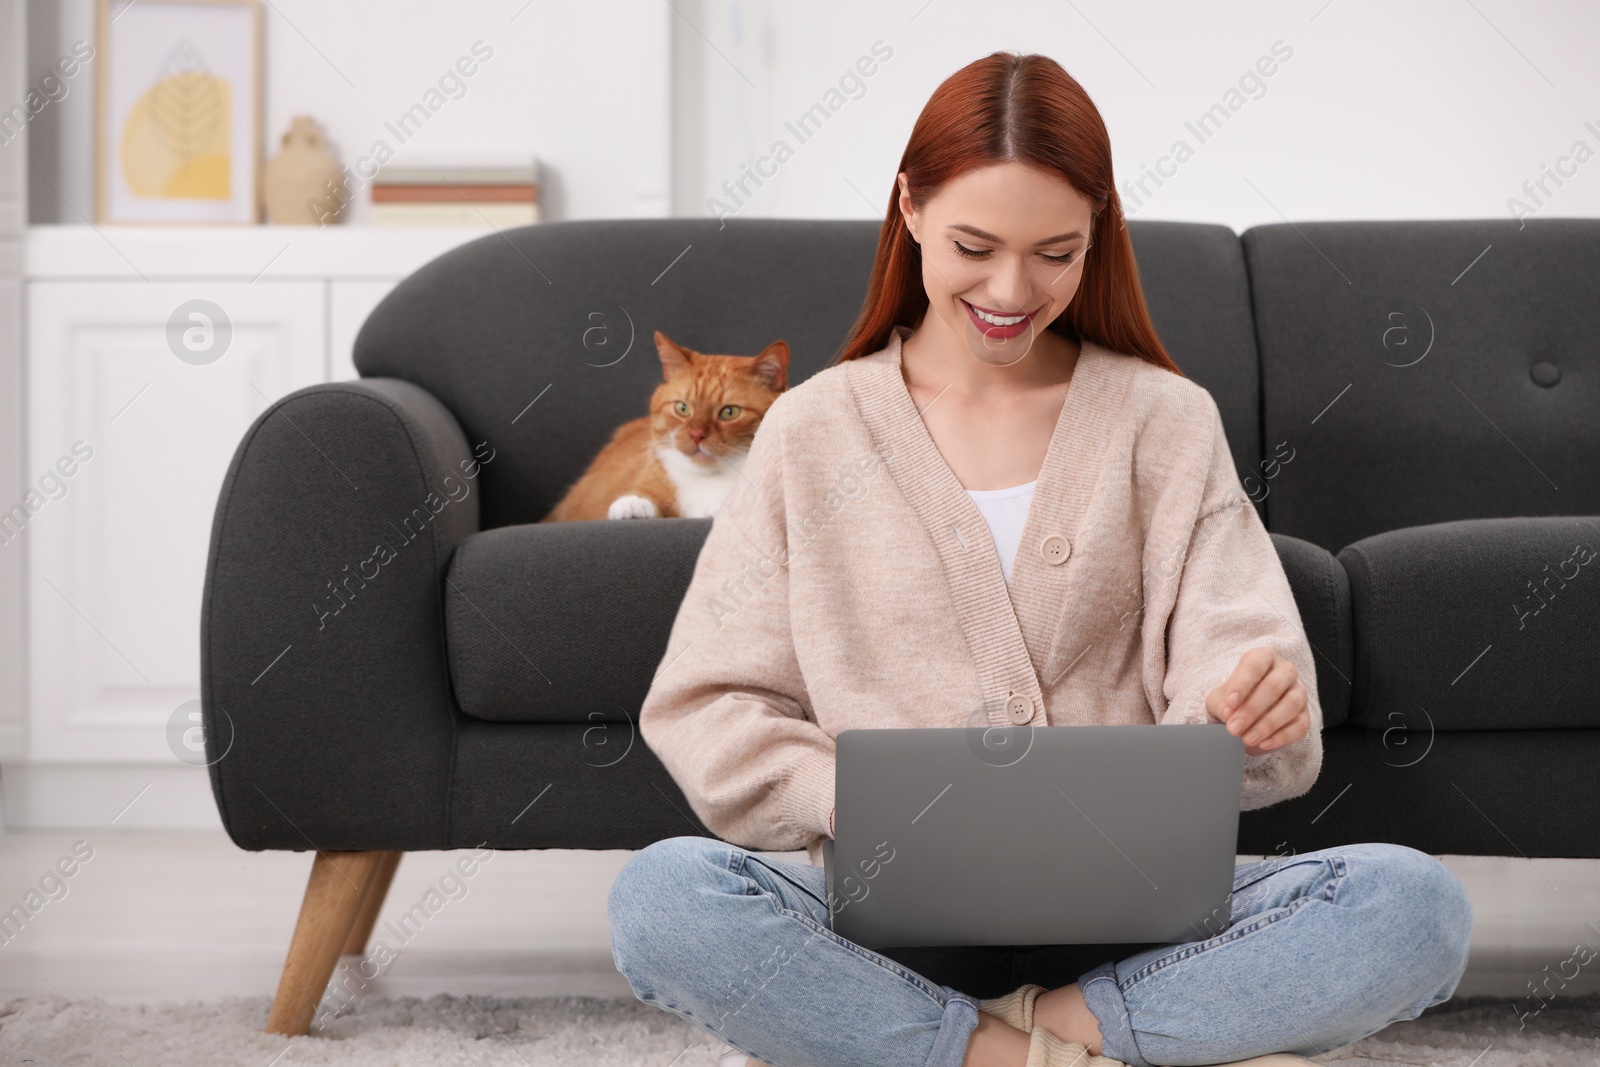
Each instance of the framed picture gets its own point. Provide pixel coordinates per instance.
(177, 134)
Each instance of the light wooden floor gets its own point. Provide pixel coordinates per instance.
(178, 915)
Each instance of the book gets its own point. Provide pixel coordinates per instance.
(440, 213)
(454, 192)
(395, 174)
(418, 169)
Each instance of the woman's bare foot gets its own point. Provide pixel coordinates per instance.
(996, 1043)
(1063, 1012)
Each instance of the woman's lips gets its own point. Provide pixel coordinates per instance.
(989, 329)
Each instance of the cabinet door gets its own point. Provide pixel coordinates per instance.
(155, 400)
(349, 304)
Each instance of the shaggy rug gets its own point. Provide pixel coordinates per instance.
(596, 1032)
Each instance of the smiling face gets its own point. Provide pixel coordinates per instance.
(1002, 254)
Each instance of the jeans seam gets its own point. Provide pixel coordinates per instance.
(1340, 869)
(1196, 948)
(800, 887)
(712, 1027)
(952, 1021)
(1329, 894)
(736, 866)
(1276, 866)
(882, 962)
(1126, 1020)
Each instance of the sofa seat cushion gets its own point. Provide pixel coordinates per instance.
(565, 621)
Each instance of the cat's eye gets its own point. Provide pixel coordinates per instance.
(730, 411)
(681, 407)
(983, 253)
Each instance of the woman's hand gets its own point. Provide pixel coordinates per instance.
(1263, 701)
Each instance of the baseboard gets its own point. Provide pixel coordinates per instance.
(58, 796)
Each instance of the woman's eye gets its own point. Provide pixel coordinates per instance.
(731, 411)
(983, 253)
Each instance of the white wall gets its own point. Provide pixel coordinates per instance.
(1432, 109)
(13, 214)
(580, 86)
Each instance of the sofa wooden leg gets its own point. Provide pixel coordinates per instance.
(371, 904)
(338, 882)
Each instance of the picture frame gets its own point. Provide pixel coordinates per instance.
(178, 101)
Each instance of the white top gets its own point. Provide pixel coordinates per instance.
(1005, 510)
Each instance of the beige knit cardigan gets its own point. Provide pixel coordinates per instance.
(848, 580)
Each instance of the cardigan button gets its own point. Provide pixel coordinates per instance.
(1019, 708)
(1055, 549)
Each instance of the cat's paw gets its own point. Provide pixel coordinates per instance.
(632, 506)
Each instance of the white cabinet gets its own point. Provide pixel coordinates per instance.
(117, 550)
(131, 419)
(350, 301)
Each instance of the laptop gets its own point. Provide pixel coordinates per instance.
(1022, 835)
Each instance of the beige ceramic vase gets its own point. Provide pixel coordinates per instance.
(300, 184)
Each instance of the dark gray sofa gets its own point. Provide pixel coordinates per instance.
(1414, 406)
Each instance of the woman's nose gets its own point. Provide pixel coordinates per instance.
(1009, 287)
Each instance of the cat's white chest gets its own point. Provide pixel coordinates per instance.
(701, 490)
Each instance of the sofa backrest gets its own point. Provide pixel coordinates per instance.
(1418, 372)
(539, 339)
(1409, 372)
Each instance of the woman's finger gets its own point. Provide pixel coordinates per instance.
(1279, 680)
(1253, 666)
(1282, 713)
(1297, 726)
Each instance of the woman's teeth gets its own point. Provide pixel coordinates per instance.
(996, 320)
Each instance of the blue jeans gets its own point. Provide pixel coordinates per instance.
(1323, 949)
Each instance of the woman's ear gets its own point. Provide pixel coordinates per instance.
(907, 212)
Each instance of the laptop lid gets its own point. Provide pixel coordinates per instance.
(1022, 835)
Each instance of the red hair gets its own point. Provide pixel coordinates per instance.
(1025, 109)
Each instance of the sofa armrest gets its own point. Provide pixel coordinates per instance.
(1322, 593)
(1477, 624)
(328, 715)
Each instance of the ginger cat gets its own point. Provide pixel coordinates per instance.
(681, 459)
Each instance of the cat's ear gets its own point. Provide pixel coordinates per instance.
(674, 357)
(771, 367)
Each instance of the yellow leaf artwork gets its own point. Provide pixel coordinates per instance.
(175, 142)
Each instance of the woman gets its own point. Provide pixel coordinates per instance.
(882, 563)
